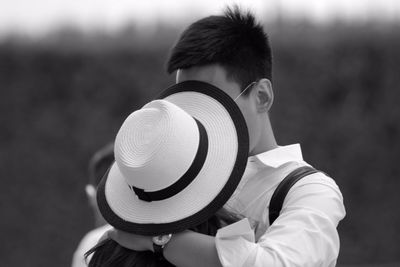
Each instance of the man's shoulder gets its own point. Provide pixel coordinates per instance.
(310, 184)
(319, 177)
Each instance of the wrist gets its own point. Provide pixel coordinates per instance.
(175, 237)
(159, 242)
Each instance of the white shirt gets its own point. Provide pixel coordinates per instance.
(304, 234)
(87, 242)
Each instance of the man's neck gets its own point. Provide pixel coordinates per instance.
(267, 140)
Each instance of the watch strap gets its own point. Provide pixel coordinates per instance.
(158, 251)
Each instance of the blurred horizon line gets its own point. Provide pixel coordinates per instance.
(108, 17)
(69, 31)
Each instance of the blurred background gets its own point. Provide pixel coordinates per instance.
(71, 71)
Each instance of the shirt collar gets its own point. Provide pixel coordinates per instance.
(280, 155)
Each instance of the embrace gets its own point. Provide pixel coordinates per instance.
(195, 169)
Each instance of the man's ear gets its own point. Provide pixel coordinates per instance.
(265, 95)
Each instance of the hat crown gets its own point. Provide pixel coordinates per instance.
(156, 145)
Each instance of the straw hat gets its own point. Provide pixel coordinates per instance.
(177, 161)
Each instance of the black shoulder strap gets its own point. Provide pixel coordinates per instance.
(276, 202)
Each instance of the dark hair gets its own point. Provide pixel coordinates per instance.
(99, 163)
(235, 41)
(109, 253)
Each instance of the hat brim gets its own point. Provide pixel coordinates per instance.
(224, 166)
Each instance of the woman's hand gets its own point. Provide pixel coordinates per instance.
(128, 240)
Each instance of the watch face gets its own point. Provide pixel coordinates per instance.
(161, 239)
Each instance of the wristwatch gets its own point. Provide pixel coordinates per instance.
(159, 243)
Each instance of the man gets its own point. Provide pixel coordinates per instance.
(98, 165)
(232, 52)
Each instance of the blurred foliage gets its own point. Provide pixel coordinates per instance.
(63, 97)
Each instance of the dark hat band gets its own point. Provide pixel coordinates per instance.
(186, 178)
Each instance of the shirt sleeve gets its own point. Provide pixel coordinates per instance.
(78, 259)
(87, 242)
(304, 234)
